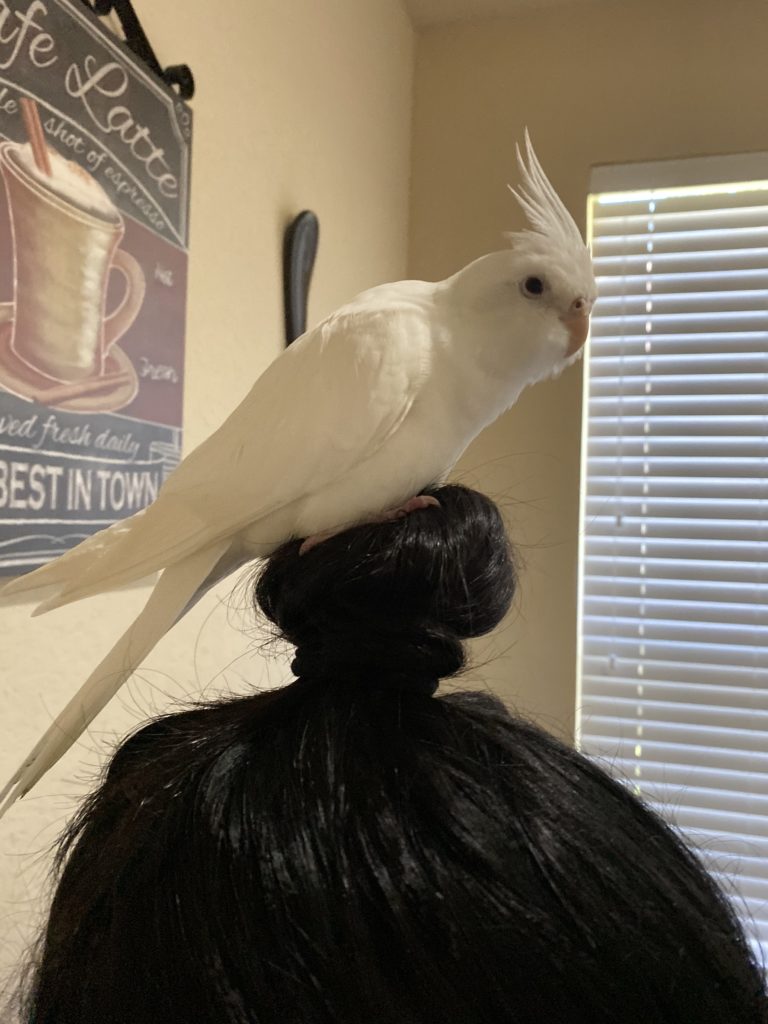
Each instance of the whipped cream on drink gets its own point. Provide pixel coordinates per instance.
(69, 181)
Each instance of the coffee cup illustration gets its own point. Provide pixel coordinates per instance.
(58, 341)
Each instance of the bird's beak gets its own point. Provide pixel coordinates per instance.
(576, 320)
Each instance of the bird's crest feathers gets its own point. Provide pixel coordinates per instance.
(543, 207)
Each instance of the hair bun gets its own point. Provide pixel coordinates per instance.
(390, 603)
(417, 662)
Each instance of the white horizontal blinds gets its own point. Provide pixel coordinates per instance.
(674, 571)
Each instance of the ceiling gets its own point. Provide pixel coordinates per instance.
(436, 12)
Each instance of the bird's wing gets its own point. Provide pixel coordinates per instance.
(329, 402)
(326, 404)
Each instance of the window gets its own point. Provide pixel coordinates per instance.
(673, 602)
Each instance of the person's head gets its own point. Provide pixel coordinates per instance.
(356, 849)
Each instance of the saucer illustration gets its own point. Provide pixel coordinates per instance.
(113, 390)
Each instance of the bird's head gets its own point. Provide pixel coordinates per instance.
(536, 297)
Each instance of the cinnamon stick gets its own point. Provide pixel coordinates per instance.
(35, 135)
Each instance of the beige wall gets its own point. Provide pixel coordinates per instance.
(304, 104)
(298, 104)
(601, 83)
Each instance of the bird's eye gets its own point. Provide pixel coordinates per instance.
(533, 286)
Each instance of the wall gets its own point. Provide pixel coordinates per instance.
(595, 83)
(298, 105)
(308, 105)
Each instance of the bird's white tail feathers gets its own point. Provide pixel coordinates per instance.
(172, 596)
(132, 549)
(59, 573)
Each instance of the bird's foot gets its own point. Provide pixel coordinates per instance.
(412, 505)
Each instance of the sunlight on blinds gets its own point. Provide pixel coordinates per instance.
(673, 603)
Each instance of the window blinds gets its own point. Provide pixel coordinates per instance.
(673, 603)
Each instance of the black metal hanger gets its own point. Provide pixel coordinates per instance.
(178, 75)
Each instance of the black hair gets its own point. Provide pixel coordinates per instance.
(350, 849)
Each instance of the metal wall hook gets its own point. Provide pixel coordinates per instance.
(299, 251)
(177, 75)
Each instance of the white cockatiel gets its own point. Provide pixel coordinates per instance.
(357, 416)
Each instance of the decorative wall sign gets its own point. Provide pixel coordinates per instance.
(94, 190)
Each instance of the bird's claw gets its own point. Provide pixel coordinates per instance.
(412, 505)
(420, 501)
